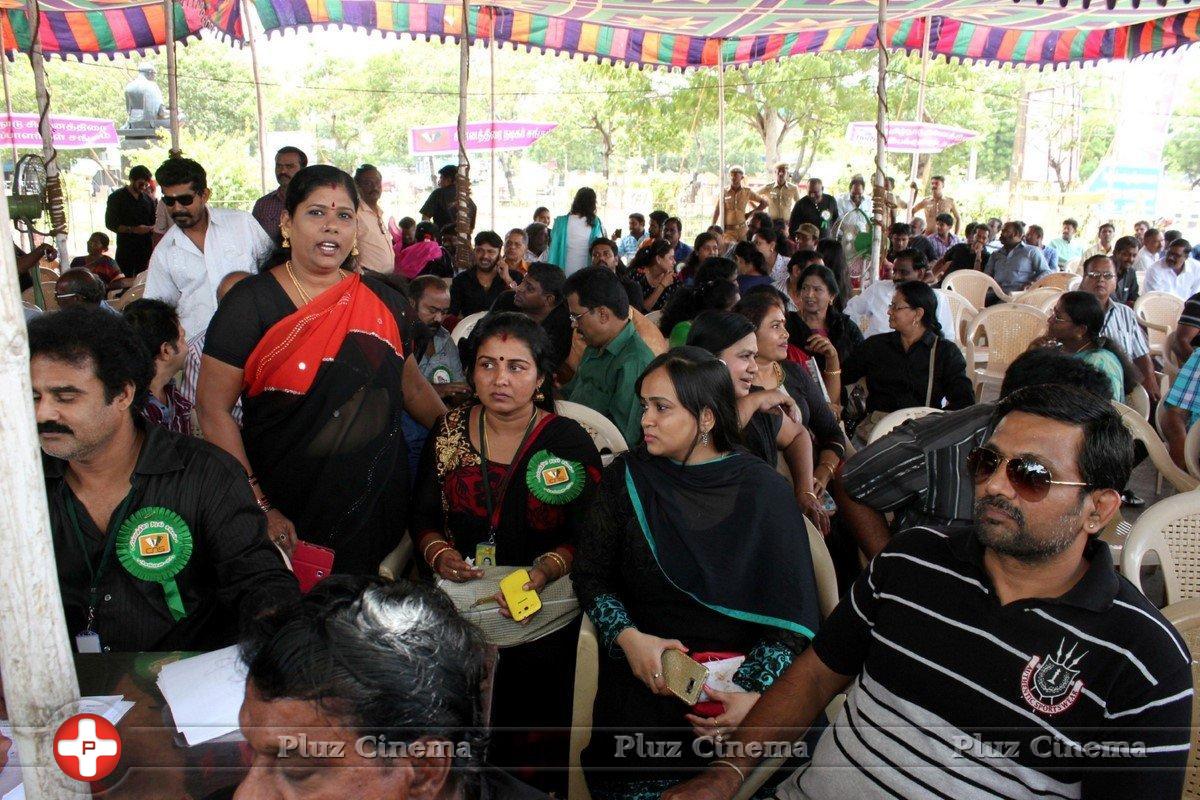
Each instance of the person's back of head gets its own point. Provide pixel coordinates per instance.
(1045, 365)
(156, 322)
(715, 331)
(388, 664)
(550, 277)
(713, 289)
(79, 287)
(597, 287)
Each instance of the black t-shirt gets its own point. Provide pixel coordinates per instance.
(557, 325)
(467, 295)
(440, 207)
(961, 256)
(133, 249)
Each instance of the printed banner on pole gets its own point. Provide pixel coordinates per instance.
(70, 133)
(433, 140)
(910, 137)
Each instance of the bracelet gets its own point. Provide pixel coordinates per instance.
(425, 549)
(252, 479)
(826, 466)
(731, 765)
(812, 495)
(562, 563)
(265, 504)
(433, 561)
(832, 372)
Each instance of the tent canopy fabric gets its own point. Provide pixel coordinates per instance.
(679, 34)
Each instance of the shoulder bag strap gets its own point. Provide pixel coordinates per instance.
(929, 387)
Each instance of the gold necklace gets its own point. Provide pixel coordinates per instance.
(777, 373)
(305, 296)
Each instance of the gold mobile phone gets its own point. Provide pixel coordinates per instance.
(684, 676)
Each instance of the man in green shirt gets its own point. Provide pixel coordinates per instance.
(615, 354)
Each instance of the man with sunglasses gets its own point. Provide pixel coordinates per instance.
(202, 247)
(1008, 659)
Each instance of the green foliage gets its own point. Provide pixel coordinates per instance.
(1182, 153)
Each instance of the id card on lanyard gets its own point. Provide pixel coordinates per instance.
(88, 640)
(485, 552)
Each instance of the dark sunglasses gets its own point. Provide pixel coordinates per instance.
(182, 199)
(1031, 479)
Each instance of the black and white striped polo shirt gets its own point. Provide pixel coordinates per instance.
(956, 696)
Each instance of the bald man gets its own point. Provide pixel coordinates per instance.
(80, 287)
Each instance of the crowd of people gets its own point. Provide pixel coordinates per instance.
(289, 386)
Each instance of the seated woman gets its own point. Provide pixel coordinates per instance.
(751, 266)
(731, 338)
(321, 358)
(655, 268)
(765, 312)
(541, 473)
(707, 245)
(1075, 325)
(714, 289)
(672, 557)
(914, 365)
(818, 323)
(100, 263)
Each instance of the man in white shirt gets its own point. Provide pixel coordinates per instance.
(374, 242)
(873, 303)
(1104, 244)
(1152, 250)
(203, 246)
(1176, 272)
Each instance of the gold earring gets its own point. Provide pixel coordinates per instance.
(286, 242)
(540, 397)
(704, 437)
(354, 248)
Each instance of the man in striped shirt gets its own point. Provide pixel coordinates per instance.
(1120, 321)
(1009, 660)
(918, 472)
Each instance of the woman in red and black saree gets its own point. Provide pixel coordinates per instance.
(523, 510)
(319, 356)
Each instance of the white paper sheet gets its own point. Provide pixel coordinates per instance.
(205, 694)
(720, 675)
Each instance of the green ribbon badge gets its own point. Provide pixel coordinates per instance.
(554, 480)
(154, 545)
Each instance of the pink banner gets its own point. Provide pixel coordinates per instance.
(432, 140)
(910, 137)
(70, 133)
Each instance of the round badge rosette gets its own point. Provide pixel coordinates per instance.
(553, 480)
(155, 544)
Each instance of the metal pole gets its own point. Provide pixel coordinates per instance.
(248, 27)
(492, 113)
(172, 74)
(8, 101)
(40, 686)
(462, 224)
(721, 129)
(916, 157)
(880, 144)
(58, 214)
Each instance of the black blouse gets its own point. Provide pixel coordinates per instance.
(844, 333)
(815, 413)
(898, 378)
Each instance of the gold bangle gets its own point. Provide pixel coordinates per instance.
(425, 549)
(433, 561)
(831, 372)
(731, 765)
(562, 563)
(812, 495)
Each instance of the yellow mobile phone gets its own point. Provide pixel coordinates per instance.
(521, 602)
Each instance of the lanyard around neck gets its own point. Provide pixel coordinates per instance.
(493, 513)
(96, 572)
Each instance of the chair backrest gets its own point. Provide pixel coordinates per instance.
(1139, 400)
(465, 325)
(606, 435)
(1161, 310)
(1009, 328)
(973, 285)
(1185, 616)
(1171, 529)
(1039, 296)
(1191, 451)
(1170, 361)
(823, 571)
(1140, 430)
(1058, 280)
(48, 296)
(587, 670)
(896, 419)
(47, 274)
(654, 316)
(134, 292)
(961, 311)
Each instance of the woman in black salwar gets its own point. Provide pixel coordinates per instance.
(319, 355)
(691, 545)
(542, 470)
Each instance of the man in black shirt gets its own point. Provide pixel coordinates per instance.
(441, 206)
(158, 540)
(971, 254)
(540, 295)
(815, 208)
(476, 289)
(130, 215)
(1009, 659)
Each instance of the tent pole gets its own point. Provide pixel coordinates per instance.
(172, 74)
(58, 213)
(40, 686)
(462, 181)
(721, 130)
(492, 112)
(8, 103)
(916, 157)
(880, 144)
(248, 27)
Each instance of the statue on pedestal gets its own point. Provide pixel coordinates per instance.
(145, 107)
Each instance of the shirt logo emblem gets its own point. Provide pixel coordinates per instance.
(1052, 685)
(555, 475)
(154, 544)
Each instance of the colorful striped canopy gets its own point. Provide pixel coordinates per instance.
(78, 28)
(654, 33)
(686, 33)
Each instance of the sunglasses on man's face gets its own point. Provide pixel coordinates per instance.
(182, 199)
(1031, 479)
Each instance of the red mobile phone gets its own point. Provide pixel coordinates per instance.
(311, 563)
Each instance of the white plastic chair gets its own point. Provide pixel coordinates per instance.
(974, 286)
(1010, 329)
(605, 434)
(1185, 616)
(1191, 451)
(587, 675)
(1041, 297)
(1063, 281)
(654, 316)
(465, 325)
(1140, 429)
(1171, 529)
(1139, 400)
(897, 418)
(395, 562)
(961, 312)
(1159, 312)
